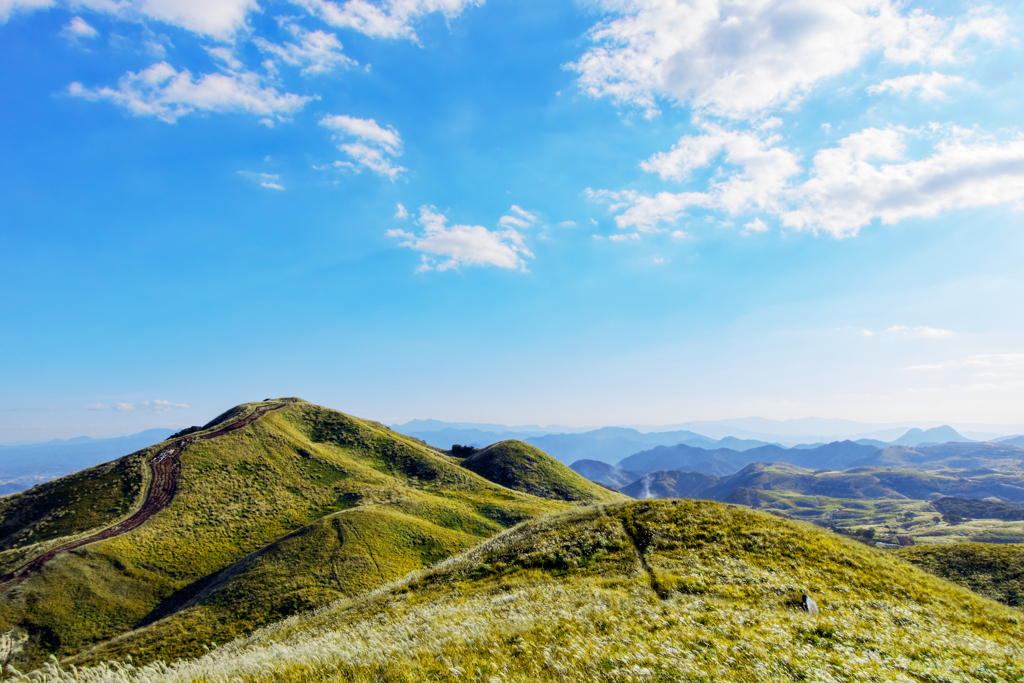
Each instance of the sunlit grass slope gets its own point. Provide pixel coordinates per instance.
(523, 467)
(666, 590)
(993, 570)
(239, 493)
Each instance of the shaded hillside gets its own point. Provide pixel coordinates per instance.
(236, 494)
(522, 467)
(836, 455)
(839, 455)
(861, 483)
(603, 473)
(993, 570)
(654, 590)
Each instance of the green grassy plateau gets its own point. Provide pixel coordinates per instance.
(668, 590)
(995, 571)
(302, 507)
(523, 467)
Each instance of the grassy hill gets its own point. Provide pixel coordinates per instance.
(523, 467)
(250, 508)
(995, 571)
(642, 591)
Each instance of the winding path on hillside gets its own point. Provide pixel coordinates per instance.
(164, 469)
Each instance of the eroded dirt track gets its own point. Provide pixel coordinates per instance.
(164, 468)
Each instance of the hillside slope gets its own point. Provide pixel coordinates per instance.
(246, 480)
(523, 467)
(993, 570)
(652, 590)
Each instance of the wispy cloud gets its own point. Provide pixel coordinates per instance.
(932, 86)
(78, 29)
(389, 19)
(920, 332)
(375, 147)
(317, 52)
(267, 180)
(157, 406)
(168, 94)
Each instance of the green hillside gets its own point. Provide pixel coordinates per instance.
(523, 467)
(643, 591)
(237, 494)
(993, 570)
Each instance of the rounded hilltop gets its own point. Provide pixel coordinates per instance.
(520, 466)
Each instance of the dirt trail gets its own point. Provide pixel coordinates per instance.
(164, 469)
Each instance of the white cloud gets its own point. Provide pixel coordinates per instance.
(446, 247)
(739, 58)
(124, 406)
(863, 178)
(161, 406)
(756, 225)
(167, 94)
(267, 180)
(846, 192)
(920, 332)
(375, 146)
(1007, 367)
(318, 52)
(523, 213)
(401, 212)
(622, 237)
(220, 19)
(933, 86)
(365, 129)
(390, 19)
(372, 158)
(522, 219)
(759, 175)
(679, 234)
(78, 29)
(567, 224)
(10, 7)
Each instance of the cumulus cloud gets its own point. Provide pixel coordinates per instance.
(932, 86)
(375, 146)
(78, 29)
(390, 19)
(445, 247)
(168, 94)
(220, 19)
(318, 52)
(846, 191)
(756, 225)
(10, 7)
(866, 176)
(736, 58)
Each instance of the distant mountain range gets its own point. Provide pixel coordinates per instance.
(862, 483)
(610, 445)
(25, 465)
(787, 432)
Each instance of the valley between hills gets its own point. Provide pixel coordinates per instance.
(287, 541)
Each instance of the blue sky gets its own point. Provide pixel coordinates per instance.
(584, 213)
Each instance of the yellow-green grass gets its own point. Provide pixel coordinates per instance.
(917, 519)
(664, 590)
(523, 467)
(238, 493)
(993, 570)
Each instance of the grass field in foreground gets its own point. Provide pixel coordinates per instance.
(667, 590)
